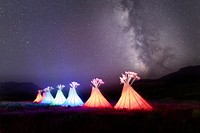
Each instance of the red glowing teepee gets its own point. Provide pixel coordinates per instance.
(38, 99)
(96, 99)
(130, 99)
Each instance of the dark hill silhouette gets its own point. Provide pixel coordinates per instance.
(18, 91)
(187, 74)
(181, 85)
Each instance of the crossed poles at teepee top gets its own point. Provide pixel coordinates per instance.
(129, 77)
(97, 82)
(60, 87)
(74, 84)
(47, 89)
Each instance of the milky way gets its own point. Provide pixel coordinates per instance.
(49, 42)
(152, 35)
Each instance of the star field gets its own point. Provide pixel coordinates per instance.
(49, 42)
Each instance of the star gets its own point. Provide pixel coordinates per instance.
(59, 41)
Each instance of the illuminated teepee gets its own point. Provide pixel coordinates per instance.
(73, 98)
(130, 99)
(38, 99)
(47, 98)
(59, 98)
(96, 99)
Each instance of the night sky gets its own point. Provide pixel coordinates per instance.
(51, 42)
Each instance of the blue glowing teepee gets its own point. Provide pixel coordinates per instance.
(47, 97)
(59, 98)
(73, 98)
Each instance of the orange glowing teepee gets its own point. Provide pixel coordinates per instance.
(130, 99)
(96, 99)
(38, 99)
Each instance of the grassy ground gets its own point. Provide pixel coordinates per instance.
(26, 117)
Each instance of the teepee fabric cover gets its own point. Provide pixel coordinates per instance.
(73, 98)
(96, 99)
(59, 98)
(47, 97)
(130, 99)
(38, 99)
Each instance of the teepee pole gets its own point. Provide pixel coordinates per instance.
(133, 80)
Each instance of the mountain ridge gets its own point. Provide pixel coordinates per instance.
(182, 84)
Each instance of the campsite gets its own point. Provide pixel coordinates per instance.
(99, 66)
(158, 108)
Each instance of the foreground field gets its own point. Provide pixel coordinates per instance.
(167, 117)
